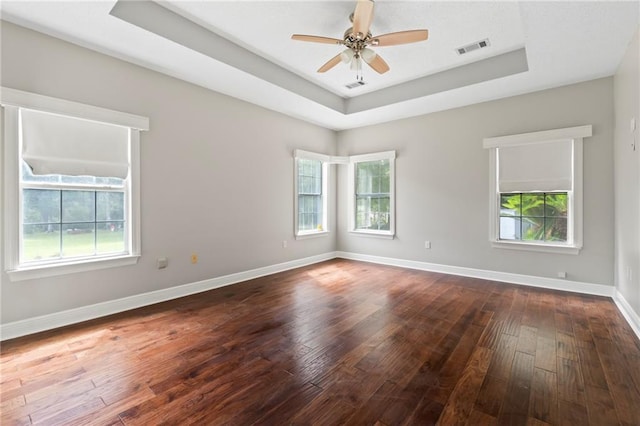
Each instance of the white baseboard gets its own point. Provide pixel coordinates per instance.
(530, 280)
(627, 312)
(72, 316)
(59, 319)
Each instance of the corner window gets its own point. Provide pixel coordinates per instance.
(372, 204)
(71, 174)
(536, 190)
(311, 178)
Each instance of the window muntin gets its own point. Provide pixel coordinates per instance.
(535, 216)
(373, 195)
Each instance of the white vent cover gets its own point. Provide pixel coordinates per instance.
(355, 84)
(473, 46)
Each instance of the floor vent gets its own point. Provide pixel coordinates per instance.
(355, 84)
(473, 46)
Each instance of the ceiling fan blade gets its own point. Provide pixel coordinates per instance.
(331, 63)
(316, 39)
(378, 64)
(362, 17)
(402, 37)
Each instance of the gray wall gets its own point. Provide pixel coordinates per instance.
(210, 163)
(627, 176)
(442, 182)
(216, 175)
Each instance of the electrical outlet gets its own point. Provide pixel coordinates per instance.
(427, 244)
(562, 274)
(162, 262)
(194, 258)
(284, 244)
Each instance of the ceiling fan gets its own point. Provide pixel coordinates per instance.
(357, 40)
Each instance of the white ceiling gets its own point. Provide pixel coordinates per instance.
(243, 49)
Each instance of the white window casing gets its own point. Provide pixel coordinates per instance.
(325, 161)
(543, 161)
(353, 161)
(113, 150)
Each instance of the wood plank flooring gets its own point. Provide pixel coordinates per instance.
(340, 342)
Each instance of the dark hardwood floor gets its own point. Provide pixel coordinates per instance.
(339, 342)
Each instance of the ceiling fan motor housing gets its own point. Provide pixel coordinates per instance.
(355, 43)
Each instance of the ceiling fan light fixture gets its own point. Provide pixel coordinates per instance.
(368, 55)
(346, 56)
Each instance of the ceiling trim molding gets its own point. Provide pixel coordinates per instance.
(153, 17)
(498, 66)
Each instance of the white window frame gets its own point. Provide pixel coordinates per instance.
(575, 196)
(353, 161)
(325, 160)
(12, 100)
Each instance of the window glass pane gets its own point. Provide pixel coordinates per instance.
(40, 242)
(110, 237)
(533, 204)
(362, 212)
(109, 206)
(78, 206)
(375, 184)
(309, 212)
(533, 228)
(510, 228)
(556, 205)
(373, 212)
(373, 177)
(385, 184)
(309, 176)
(78, 239)
(510, 204)
(40, 206)
(556, 229)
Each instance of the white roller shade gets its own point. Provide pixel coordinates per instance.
(536, 167)
(57, 144)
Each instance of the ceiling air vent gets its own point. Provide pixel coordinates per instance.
(355, 84)
(473, 46)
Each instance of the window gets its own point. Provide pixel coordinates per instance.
(311, 193)
(536, 190)
(65, 217)
(71, 171)
(536, 216)
(372, 205)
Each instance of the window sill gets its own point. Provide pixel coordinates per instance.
(387, 235)
(543, 248)
(314, 234)
(51, 270)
